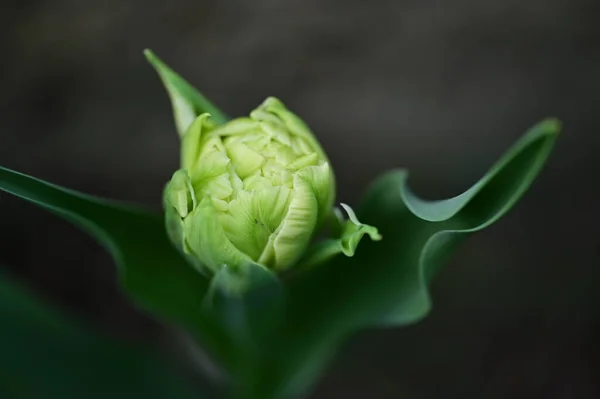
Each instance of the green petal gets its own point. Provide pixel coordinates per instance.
(294, 234)
(174, 226)
(219, 187)
(321, 180)
(190, 142)
(238, 126)
(246, 160)
(211, 175)
(187, 102)
(275, 130)
(292, 122)
(241, 226)
(262, 115)
(179, 193)
(304, 161)
(257, 183)
(206, 238)
(254, 217)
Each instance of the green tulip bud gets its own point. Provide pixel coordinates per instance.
(255, 189)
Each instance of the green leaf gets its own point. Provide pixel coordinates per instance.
(187, 102)
(45, 355)
(442, 225)
(350, 233)
(151, 271)
(386, 282)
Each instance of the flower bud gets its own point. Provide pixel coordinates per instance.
(255, 189)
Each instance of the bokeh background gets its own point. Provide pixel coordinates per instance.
(442, 88)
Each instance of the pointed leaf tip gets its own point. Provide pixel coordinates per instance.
(553, 125)
(187, 102)
(149, 54)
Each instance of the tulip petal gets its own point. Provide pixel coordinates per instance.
(238, 126)
(254, 217)
(206, 238)
(190, 142)
(241, 226)
(246, 160)
(320, 178)
(179, 193)
(211, 175)
(293, 235)
(293, 123)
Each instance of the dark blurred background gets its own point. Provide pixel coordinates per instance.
(442, 88)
